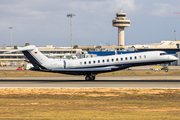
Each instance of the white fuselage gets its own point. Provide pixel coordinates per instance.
(143, 58)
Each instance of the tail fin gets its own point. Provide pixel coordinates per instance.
(34, 55)
(115, 52)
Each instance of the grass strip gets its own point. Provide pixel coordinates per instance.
(117, 73)
(89, 104)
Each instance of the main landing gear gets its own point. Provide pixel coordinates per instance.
(90, 77)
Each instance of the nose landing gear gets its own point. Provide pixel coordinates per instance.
(165, 67)
(90, 77)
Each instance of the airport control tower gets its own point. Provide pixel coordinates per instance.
(121, 22)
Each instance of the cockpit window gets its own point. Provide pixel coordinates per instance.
(163, 53)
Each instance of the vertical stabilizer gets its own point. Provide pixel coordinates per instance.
(33, 55)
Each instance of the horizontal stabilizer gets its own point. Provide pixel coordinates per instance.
(27, 48)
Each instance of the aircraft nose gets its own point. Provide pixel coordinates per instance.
(176, 58)
(173, 58)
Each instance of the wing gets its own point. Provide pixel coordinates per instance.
(88, 71)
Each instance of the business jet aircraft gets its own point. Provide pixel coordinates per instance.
(90, 67)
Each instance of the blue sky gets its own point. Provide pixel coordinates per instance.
(45, 22)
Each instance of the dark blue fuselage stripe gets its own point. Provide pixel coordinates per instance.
(31, 58)
(35, 58)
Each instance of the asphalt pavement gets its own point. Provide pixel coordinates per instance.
(157, 82)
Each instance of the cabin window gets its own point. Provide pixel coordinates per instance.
(107, 60)
(121, 59)
(112, 60)
(130, 58)
(116, 59)
(144, 56)
(140, 57)
(94, 61)
(163, 53)
(135, 57)
(98, 61)
(84, 62)
(89, 62)
(126, 58)
(80, 63)
(102, 60)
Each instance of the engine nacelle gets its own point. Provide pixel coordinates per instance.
(54, 65)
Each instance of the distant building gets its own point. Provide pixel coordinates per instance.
(162, 45)
(49, 50)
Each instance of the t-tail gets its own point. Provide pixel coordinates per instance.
(34, 56)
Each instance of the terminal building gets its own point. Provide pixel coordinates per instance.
(49, 51)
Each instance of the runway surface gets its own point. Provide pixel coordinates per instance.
(160, 82)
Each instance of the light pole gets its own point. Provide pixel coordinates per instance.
(71, 15)
(175, 34)
(11, 35)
